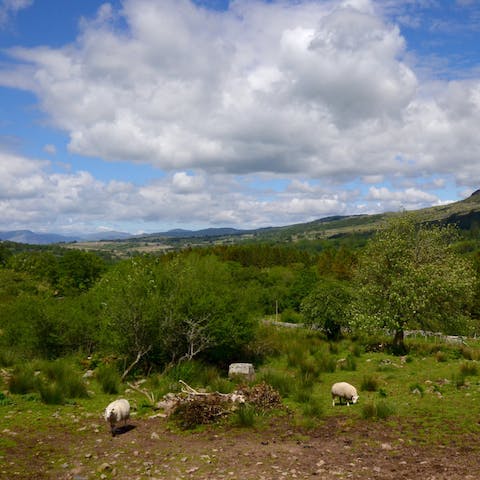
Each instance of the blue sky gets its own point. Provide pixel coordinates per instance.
(148, 115)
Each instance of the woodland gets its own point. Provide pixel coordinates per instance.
(151, 312)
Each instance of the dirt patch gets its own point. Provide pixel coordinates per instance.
(148, 449)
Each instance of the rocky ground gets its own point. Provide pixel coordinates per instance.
(148, 449)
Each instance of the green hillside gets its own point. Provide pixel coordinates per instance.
(464, 213)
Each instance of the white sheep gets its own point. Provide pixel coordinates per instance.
(117, 411)
(344, 390)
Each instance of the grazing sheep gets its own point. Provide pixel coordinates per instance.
(117, 411)
(344, 390)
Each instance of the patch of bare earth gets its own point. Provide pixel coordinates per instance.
(148, 449)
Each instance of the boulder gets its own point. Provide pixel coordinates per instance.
(243, 371)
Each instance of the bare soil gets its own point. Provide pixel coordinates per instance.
(148, 449)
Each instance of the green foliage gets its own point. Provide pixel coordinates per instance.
(245, 416)
(23, 380)
(109, 379)
(280, 381)
(174, 309)
(409, 276)
(327, 307)
(78, 271)
(338, 263)
(54, 381)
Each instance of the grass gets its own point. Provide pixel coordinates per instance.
(425, 395)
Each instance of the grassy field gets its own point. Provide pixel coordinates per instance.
(426, 400)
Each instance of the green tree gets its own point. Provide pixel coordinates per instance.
(78, 271)
(327, 307)
(410, 276)
(166, 310)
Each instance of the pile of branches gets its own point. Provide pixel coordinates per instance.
(191, 408)
(262, 396)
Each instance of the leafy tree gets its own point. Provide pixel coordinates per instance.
(409, 276)
(337, 262)
(78, 271)
(327, 307)
(39, 264)
(165, 311)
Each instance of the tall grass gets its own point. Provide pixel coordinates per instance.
(55, 381)
(108, 378)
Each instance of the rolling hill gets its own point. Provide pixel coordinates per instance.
(465, 213)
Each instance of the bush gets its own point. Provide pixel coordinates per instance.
(469, 353)
(108, 378)
(8, 357)
(23, 380)
(51, 394)
(67, 379)
(326, 362)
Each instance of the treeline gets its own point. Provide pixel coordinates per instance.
(151, 311)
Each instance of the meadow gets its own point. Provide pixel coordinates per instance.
(427, 401)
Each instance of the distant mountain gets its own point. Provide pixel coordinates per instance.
(27, 236)
(33, 238)
(464, 213)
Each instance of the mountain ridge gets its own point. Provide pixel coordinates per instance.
(465, 213)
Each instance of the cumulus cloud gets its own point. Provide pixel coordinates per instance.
(321, 93)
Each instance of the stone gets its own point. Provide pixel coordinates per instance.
(244, 371)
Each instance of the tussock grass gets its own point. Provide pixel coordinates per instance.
(370, 383)
(108, 378)
(379, 410)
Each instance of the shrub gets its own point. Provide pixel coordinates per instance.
(108, 378)
(326, 362)
(51, 393)
(291, 316)
(469, 353)
(23, 380)
(66, 378)
(8, 357)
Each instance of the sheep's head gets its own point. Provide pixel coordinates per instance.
(110, 415)
(355, 398)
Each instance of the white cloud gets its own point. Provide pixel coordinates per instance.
(321, 93)
(9, 8)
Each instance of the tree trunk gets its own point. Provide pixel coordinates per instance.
(399, 342)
